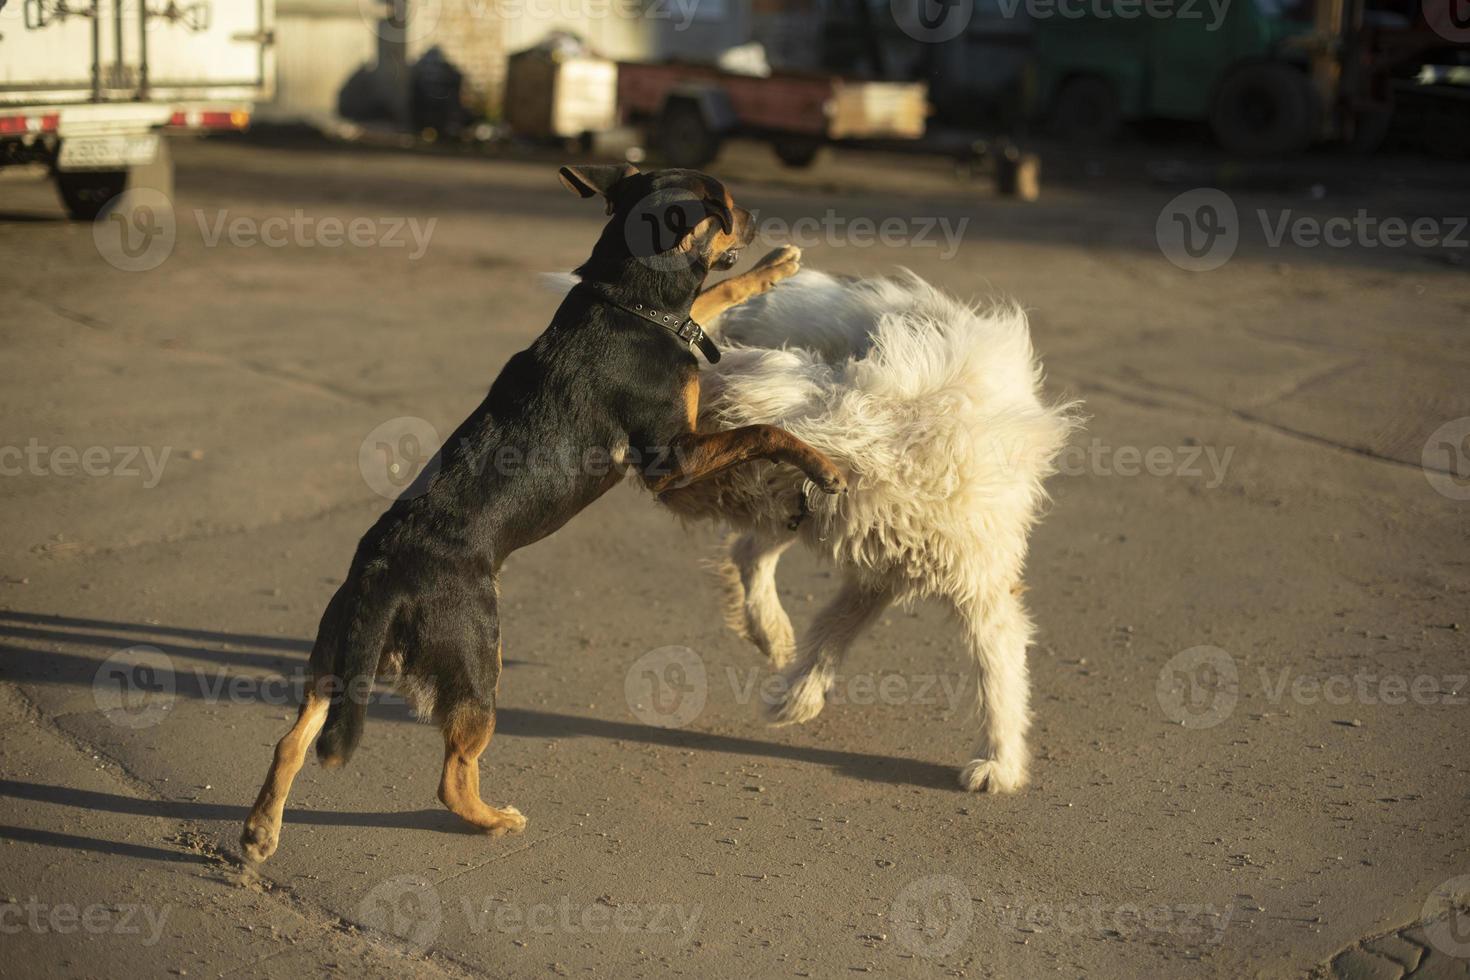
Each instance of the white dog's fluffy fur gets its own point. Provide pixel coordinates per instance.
(934, 410)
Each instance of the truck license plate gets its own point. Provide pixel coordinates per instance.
(107, 152)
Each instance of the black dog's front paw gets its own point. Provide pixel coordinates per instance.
(830, 480)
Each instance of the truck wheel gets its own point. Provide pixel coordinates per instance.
(683, 139)
(1262, 110)
(1086, 110)
(86, 192)
(796, 151)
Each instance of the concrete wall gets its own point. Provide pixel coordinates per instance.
(319, 45)
(322, 43)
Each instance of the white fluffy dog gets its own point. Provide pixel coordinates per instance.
(933, 408)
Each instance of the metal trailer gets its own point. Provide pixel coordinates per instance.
(87, 87)
(691, 108)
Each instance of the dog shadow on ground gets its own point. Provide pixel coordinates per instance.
(92, 641)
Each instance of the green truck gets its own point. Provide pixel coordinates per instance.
(1270, 76)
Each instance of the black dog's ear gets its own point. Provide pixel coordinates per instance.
(721, 210)
(596, 179)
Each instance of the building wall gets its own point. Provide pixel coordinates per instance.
(471, 35)
(320, 44)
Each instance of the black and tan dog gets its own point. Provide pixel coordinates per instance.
(612, 381)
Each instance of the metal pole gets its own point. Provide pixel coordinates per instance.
(96, 50)
(142, 50)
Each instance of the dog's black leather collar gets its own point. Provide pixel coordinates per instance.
(682, 325)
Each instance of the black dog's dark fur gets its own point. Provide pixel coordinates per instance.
(602, 389)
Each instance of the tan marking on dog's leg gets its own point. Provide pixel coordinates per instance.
(466, 736)
(263, 827)
(779, 264)
(691, 400)
(699, 456)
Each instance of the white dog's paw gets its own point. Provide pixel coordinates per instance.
(990, 776)
(803, 700)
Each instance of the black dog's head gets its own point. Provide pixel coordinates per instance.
(671, 220)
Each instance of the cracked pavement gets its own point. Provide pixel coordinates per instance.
(1251, 495)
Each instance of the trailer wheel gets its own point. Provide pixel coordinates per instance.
(1262, 110)
(1086, 110)
(86, 192)
(683, 138)
(797, 151)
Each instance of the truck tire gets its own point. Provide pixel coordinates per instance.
(1261, 110)
(797, 151)
(1086, 110)
(683, 138)
(86, 192)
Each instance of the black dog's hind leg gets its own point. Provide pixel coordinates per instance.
(468, 624)
(263, 827)
(467, 731)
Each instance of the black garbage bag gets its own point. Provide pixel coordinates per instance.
(435, 103)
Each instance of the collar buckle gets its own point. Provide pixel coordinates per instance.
(683, 327)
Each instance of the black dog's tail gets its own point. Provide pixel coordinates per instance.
(356, 668)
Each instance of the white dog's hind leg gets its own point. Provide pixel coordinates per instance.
(752, 605)
(999, 632)
(823, 647)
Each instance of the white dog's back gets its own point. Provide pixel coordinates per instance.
(933, 407)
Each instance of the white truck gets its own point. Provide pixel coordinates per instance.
(88, 87)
